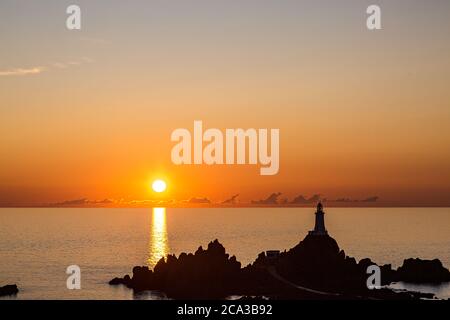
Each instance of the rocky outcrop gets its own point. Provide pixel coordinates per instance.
(415, 270)
(8, 290)
(209, 273)
(315, 263)
(422, 271)
(318, 262)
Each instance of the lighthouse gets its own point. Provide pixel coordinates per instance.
(319, 227)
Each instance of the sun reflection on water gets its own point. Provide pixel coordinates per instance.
(158, 245)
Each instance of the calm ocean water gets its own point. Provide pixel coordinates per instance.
(37, 245)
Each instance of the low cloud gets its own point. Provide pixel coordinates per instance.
(22, 71)
(75, 202)
(147, 202)
(81, 202)
(78, 62)
(231, 200)
(272, 199)
(302, 200)
(199, 200)
(40, 69)
(369, 199)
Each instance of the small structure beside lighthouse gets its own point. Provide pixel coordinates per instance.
(319, 227)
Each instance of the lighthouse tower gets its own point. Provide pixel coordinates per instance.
(319, 227)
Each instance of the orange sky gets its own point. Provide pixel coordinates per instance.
(360, 113)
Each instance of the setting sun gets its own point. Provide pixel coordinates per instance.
(159, 186)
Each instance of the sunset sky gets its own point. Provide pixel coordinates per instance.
(89, 113)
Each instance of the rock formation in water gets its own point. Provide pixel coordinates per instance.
(209, 273)
(316, 262)
(415, 270)
(8, 290)
(315, 268)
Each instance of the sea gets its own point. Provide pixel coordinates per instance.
(37, 245)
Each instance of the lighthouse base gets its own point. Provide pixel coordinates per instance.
(318, 233)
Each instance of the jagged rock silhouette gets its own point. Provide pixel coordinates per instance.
(314, 268)
(8, 290)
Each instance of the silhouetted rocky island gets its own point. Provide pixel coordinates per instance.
(314, 269)
(8, 290)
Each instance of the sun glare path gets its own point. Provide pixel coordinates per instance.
(158, 246)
